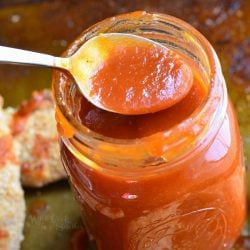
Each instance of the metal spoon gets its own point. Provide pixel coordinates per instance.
(83, 63)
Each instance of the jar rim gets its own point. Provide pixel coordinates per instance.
(82, 133)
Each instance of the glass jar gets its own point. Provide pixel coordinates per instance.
(182, 188)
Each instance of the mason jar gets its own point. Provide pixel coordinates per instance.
(182, 187)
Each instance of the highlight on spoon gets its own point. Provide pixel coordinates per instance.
(129, 74)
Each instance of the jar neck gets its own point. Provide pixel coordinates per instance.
(162, 147)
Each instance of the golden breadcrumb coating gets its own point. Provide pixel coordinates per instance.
(34, 128)
(12, 204)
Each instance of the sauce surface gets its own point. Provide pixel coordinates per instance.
(129, 74)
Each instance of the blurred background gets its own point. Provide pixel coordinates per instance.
(49, 26)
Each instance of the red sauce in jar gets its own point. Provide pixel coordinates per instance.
(193, 201)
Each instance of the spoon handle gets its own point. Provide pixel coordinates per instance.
(19, 56)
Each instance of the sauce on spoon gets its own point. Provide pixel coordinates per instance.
(128, 74)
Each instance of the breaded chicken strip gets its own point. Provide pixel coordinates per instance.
(34, 128)
(12, 205)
